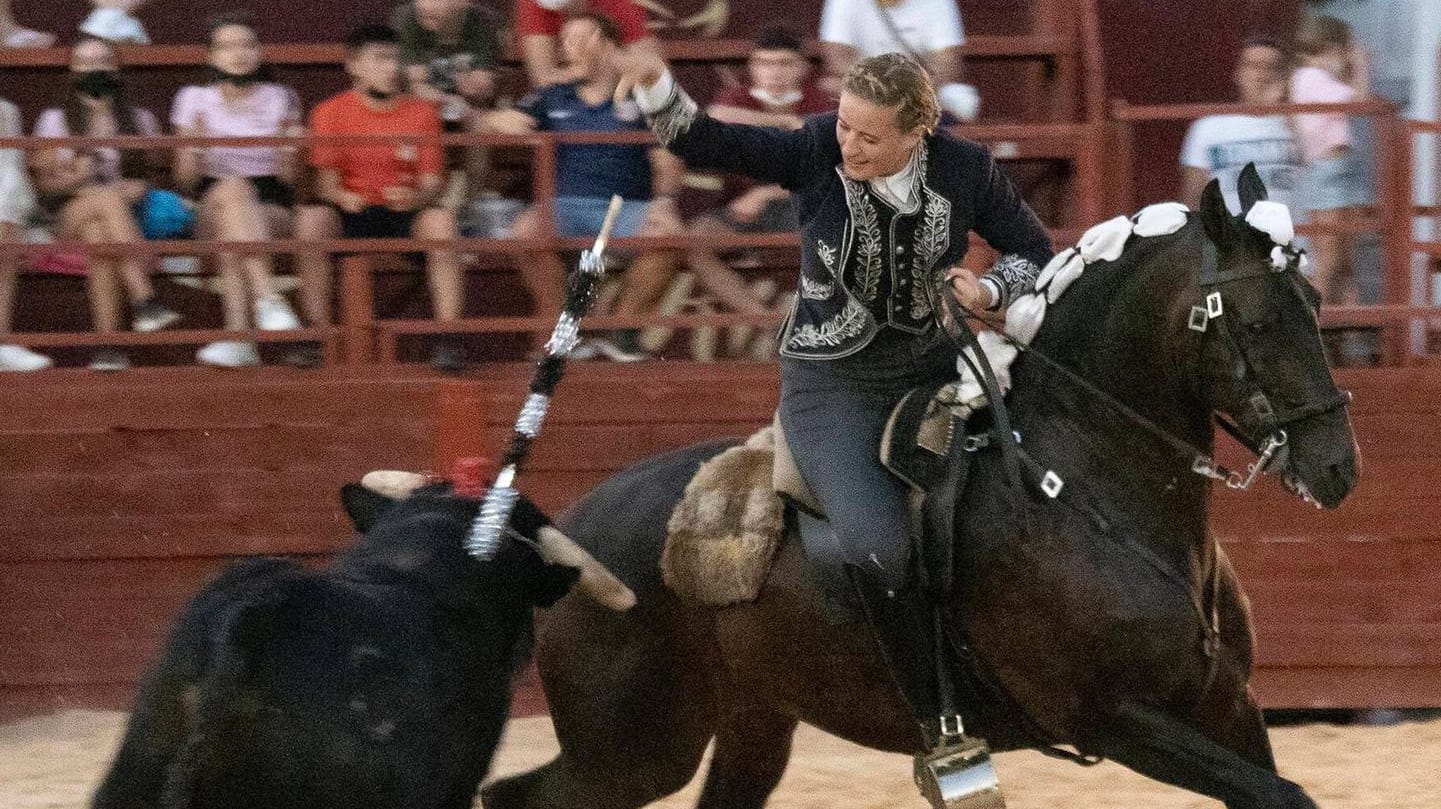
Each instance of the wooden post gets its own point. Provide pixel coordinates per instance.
(463, 429)
(357, 309)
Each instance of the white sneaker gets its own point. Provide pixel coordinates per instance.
(20, 358)
(272, 313)
(228, 354)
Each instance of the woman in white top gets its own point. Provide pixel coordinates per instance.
(17, 198)
(245, 192)
(94, 190)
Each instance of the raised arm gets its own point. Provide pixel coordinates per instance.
(770, 155)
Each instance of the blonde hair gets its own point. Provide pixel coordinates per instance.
(896, 80)
(1318, 33)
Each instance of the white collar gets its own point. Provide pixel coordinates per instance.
(899, 188)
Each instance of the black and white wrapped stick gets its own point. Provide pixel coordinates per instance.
(494, 515)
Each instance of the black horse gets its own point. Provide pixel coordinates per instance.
(1106, 618)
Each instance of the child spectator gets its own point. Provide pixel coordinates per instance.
(115, 21)
(780, 95)
(929, 30)
(538, 23)
(380, 190)
(1220, 146)
(1333, 69)
(245, 192)
(587, 174)
(15, 35)
(16, 200)
(450, 49)
(96, 191)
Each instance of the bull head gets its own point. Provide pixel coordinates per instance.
(366, 502)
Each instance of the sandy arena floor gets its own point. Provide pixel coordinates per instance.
(53, 763)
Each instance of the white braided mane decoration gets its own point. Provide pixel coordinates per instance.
(1104, 242)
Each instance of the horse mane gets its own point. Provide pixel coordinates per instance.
(1070, 325)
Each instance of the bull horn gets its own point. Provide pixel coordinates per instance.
(602, 585)
(393, 483)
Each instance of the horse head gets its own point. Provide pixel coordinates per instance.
(1253, 319)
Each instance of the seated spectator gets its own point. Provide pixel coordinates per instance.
(96, 191)
(380, 190)
(779, 95)
(587, 174)
(245, 192)
(1333, 70)
(16, 200)
(15, 35)
(930, 30)
(450, 49)
(1219, 146)
(115, 21)
(538, 23)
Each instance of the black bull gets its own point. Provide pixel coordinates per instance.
(1092, 612)
(383, 681)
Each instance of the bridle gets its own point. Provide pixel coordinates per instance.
(1207, 319)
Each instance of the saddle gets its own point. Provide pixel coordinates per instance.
(728, 525)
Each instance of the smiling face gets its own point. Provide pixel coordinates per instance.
(872, 144)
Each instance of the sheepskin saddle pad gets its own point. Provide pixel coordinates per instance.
(726, 528)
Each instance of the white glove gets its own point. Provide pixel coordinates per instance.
(961, 100)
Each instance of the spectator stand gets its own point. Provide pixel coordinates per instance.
(1399, 314)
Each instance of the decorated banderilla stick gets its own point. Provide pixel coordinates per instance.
(495, 509)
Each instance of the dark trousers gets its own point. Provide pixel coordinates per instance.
(833, 413)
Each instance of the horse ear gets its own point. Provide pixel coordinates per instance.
(1249, 188)
(1215, 216)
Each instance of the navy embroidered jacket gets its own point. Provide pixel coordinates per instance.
(863, 262)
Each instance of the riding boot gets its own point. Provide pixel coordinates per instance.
(903, 627)
(951, 770)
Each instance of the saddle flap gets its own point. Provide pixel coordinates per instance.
(917, 440)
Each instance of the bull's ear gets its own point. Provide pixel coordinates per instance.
(363, 506)
(551, 583)
(1215, 217)
(1249, 188)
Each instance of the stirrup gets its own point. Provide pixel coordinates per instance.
(957, 774)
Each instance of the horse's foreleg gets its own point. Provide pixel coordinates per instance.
(1169, 750)
(752, 749)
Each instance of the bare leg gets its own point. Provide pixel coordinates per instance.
(234, 298)
(442, 266)
(1331, 263)
(719, 279)
(101, 284)
(240, 216)
(108, 207)
(315, 223)
(651, 272)
(543, 273)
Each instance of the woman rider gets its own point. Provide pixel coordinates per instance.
(886, 204)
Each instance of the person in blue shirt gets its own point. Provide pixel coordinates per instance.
(587, 174)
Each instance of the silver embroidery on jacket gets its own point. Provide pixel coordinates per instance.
(869, 247)
(850, 322)
(674, 118)
(933, 236)
(821, 290)
(1016, 274)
